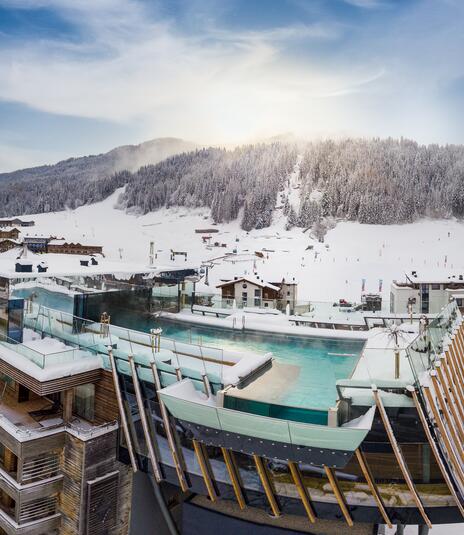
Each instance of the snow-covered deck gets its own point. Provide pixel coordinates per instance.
(272, 322)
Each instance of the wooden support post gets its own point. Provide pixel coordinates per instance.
(449, 400)
(143, 418)
(267, 486)
(122, 412)
(372, 486)
(68, 399)
(456, 347)
(200, 453)
(452, 385)
(399, 456)
(169, 435)
(444, 410)
(449, 449)
(234, 477)
(434, 448)
(302, 491)
(456, 373)
(339, 495)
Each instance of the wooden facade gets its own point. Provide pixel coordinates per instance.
(73, 248)
(68, 481)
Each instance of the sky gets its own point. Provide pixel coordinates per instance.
(83, 76)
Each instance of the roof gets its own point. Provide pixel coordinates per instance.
(251, 280)
(63, 265)
(434, 276)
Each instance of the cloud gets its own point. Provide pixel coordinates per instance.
(134, 65)
(218, 84)
(368, 4)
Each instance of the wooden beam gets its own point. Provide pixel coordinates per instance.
(200, 453)
(68, 399)
(234, 477)
(264, 477)
(302, 491)
(399, 456)
(449, 400)
(339, 495)
(452, 385)
(445, 413)
(143, 418)
(372, 486)
(456, 373)
(449, 449)
(169, 435)
(434, 448)
(122, 412)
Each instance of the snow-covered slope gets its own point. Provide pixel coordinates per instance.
(328, 271)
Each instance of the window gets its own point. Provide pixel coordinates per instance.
(244, 286)
(84, 398)
(288, 292)
(257, 293)
(436, 286)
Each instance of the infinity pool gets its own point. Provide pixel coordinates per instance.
(308, 367)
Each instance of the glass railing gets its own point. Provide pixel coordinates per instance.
(432, 338)
(193, 360)
(40, 358)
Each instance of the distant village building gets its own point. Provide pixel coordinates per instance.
(255, 292)
(426, 294)
(6, 245)
(37, 244)
(16, 223)
(9, 233)
(64, 247)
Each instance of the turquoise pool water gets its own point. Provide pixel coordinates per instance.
(311, 366)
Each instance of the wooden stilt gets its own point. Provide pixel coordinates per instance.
(399, 457)
(452, 385)
(143, 418)
(444, 410)
(169, 435)
(457, 348)
(302, 491)
(372, 486)
(434, 448)
(264, 477)
(122, 412)
(456, 373)
(234, 478)
(450, 401)
(449, 449)
(199, 452)
(338, 495)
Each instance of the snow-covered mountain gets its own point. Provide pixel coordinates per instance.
(312, 184)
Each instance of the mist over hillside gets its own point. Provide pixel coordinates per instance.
(370, 181)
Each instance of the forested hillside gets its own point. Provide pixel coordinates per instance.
(372, 181)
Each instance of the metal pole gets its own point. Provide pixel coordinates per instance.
(167, 426)
(399, 457)
(122, 412)
(143, 418)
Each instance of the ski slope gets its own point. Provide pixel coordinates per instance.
(325, 271)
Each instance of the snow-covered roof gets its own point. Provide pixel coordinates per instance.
(434, 276)
(62, 265)
(251, 280)
(8, 229)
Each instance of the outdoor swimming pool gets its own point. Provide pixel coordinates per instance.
(308, 367)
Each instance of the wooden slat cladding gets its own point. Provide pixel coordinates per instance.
(72, 462)
(92, 460)
(102, 504)
(42, 388)
(41, 467)
(106, 406)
